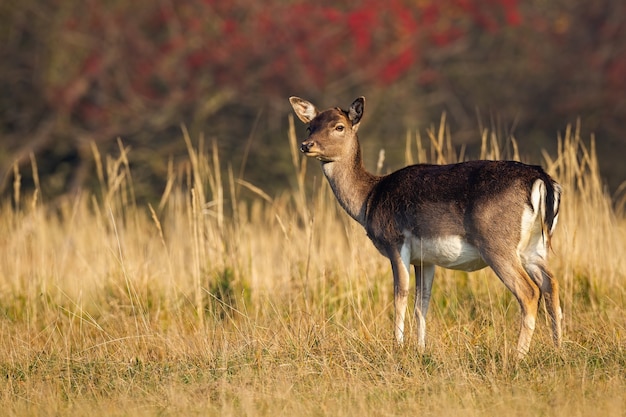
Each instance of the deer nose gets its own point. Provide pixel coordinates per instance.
(306, 147)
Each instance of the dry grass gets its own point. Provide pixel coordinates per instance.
(222, 300)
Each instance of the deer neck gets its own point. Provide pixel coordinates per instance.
(351, 183)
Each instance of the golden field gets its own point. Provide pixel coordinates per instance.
(222, 300)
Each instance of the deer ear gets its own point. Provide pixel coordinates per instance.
(304, 109)
(356, 110)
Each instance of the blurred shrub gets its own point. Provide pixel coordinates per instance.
(78, 72)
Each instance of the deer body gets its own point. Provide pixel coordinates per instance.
(463, 216)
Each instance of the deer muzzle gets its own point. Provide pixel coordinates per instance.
(306, 146)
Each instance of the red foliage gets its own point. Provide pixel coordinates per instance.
(154, 53)
(397, 66)
(132, 69)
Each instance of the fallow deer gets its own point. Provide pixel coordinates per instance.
(462, 216)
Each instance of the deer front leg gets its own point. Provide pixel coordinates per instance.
(401, 278)
(424, 275)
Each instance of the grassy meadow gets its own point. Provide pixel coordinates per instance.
(223, 300)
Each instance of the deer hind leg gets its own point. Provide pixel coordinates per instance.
(424, 275)
(401, 277)
(511, 272)
(549, 287)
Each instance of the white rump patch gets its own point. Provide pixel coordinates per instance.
(450, 252)
(532, 245)
(537, 197)
(557, 202)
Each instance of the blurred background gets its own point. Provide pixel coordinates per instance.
(76, 73)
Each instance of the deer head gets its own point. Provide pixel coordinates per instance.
(332, 133)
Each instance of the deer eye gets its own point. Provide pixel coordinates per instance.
(340, 128)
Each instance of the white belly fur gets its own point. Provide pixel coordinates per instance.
(450, 252)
